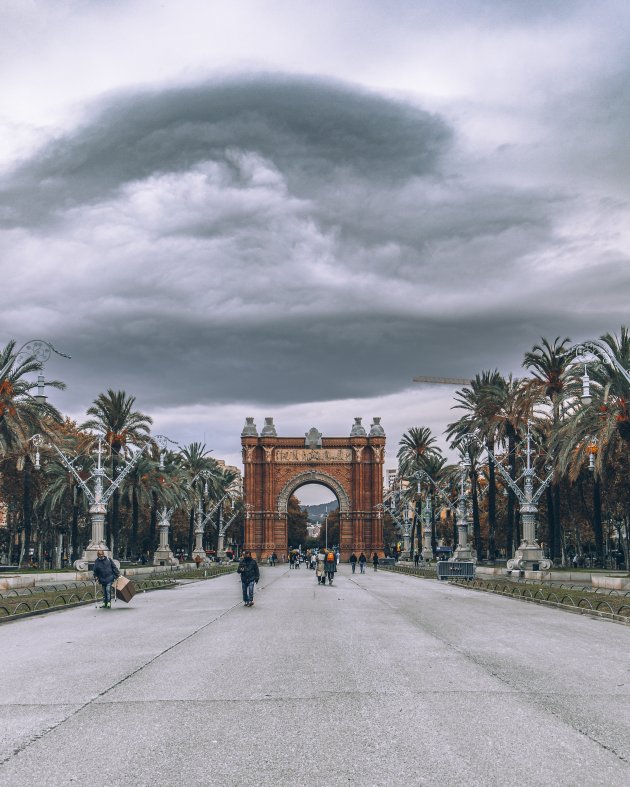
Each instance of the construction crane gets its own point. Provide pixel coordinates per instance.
(441, 380)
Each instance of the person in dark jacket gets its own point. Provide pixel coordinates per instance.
(375, 561)
(331, 566)
(362, 562)
(250, 574)
(105, 572)
(353, 562)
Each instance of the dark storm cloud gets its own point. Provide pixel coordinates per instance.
(312, 131)
(278, 240)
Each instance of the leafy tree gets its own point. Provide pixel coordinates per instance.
(196, 464)
(21, 416)
(482, 402)
(121, 426)
(549, 363)
(297, 521)
(415, 448)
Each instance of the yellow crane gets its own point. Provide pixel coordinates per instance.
(441, 380)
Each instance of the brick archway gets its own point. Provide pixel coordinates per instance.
(313, 477)
(275, 467)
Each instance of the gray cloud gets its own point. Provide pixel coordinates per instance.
(277, 240)
(312, 131)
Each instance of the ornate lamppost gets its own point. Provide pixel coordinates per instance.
(604, 353)
(398, 509)
(98, 497)
(163, 555)
(40, 350)
(462, 551)
(200, 519)
(427, 522)
(222, 528)
(529, 555)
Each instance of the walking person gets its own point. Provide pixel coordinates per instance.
(331, 567)
(416, 559)
(105, 572)
(362, 562)
(353, 562)
(250, 574)
(375, 561)
(320, 567)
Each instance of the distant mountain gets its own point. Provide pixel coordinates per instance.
(318, 511)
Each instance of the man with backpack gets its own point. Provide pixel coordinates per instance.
(331, 566)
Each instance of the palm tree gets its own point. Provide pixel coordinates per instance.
(416, 447)
(483, 402)
(598, 434)
(21, 416)
(121, 426)
(434, 466)
(511, 423)
(224, 483)
(552, 375)
(195, 459)
(147, 487)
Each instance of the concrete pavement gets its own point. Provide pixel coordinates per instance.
(378, 679)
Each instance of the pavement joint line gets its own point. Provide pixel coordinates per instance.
(106, 691)
(487, 668)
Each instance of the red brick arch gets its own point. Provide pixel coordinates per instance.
(275, 467)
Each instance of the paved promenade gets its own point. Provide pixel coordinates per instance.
(380, 679)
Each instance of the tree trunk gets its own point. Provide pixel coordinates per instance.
(598, 531)
(433, 525)
(191, 531)
(414, 523)
(475, 514)
(115, 520)
(135, 516)
(511, 532)
(153, 522)
(551, 530)
(492, 508)
(27, 511)
(74, 527)
(557, 525)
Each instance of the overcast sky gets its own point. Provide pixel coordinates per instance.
(290, 209)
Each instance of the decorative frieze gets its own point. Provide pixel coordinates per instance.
(301, 455)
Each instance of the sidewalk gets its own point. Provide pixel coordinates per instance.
(379, 679)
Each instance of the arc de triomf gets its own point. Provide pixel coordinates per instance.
(276, 467)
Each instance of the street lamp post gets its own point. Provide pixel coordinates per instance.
(462, 551)
(223, 527)
(402, 519)
(40, 350)
(529, 555)
(604, 353)
(200, 519)
(427, 520)
(98, 497)
(163, 555)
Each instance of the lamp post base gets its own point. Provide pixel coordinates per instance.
(164, 557)
(463, 554)
(89, 556)
(529, 557)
